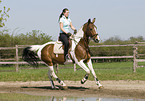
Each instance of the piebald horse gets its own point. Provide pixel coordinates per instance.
(79, 53)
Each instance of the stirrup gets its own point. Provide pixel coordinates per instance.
(67, 58)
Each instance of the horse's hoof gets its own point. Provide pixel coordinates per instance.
(101, 87)
(64, 87)
(82, 82)
(55, 88)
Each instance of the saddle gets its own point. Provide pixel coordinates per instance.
(59, 47)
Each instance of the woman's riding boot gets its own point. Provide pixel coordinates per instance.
(66, 58)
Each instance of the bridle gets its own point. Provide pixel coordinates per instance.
(86, 40)
(93, 36)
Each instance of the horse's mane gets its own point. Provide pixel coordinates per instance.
(80, 33)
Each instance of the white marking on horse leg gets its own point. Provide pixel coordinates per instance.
(50, 78)
(61, 82)
(54, 75)
(89, 63)
(52, 72)
(81, 64)
(98, 82)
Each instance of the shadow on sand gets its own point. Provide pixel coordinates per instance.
(60, 87)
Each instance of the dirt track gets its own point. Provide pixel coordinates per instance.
(129, 89)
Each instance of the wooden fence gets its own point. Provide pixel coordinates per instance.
(137, 55)
(134, 57)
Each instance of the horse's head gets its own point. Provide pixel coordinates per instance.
(90, 30)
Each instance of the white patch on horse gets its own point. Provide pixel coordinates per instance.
(35, 47)
(77, 38)
(95, 29)
(97, 35)
(75, 41)
(42, 46)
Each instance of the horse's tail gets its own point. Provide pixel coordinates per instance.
(29, 54)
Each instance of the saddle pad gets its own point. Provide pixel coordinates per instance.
(58, 48)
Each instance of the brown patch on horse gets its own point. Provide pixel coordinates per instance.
(82, 49)
(49, 57)
(82, 52)
(46, 55)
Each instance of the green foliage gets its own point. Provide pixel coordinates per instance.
(113, 40)
(30, 38)
(3, 15)
(117, 40)
(117, 51)
(134, 39)
(111, 51)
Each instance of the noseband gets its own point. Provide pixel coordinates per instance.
(95, 35)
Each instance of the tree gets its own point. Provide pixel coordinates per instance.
(3, 15)
(113, 40)
(30, 38)
(134, 39)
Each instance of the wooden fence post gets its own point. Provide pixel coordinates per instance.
(74, 67)
(56, 68)
(134, 58)
(17, 59)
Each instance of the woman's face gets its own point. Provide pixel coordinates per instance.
(66, 14)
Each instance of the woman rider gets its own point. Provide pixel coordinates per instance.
(64, 23)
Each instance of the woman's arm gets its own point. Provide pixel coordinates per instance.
(72, 27)
(61, 27)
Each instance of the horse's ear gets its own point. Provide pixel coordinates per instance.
(93, 20)
(89, 20)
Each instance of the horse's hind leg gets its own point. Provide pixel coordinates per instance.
(50, 78)
(51, 74)
(89, 63)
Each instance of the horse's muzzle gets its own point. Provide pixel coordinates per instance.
(96, 40)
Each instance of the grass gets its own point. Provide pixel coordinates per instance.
(104, 71)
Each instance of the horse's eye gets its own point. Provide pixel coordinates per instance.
(91, 29)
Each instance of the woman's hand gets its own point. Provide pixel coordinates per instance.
(69, 34)
(75, 31)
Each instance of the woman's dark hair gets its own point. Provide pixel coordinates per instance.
(63, 11)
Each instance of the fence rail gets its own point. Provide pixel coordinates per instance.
(134, 57)
(40, 62)
(111, 57)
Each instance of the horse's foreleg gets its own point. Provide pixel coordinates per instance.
(51, 70)
(85, 79)
(81, 64)
(89, 63)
